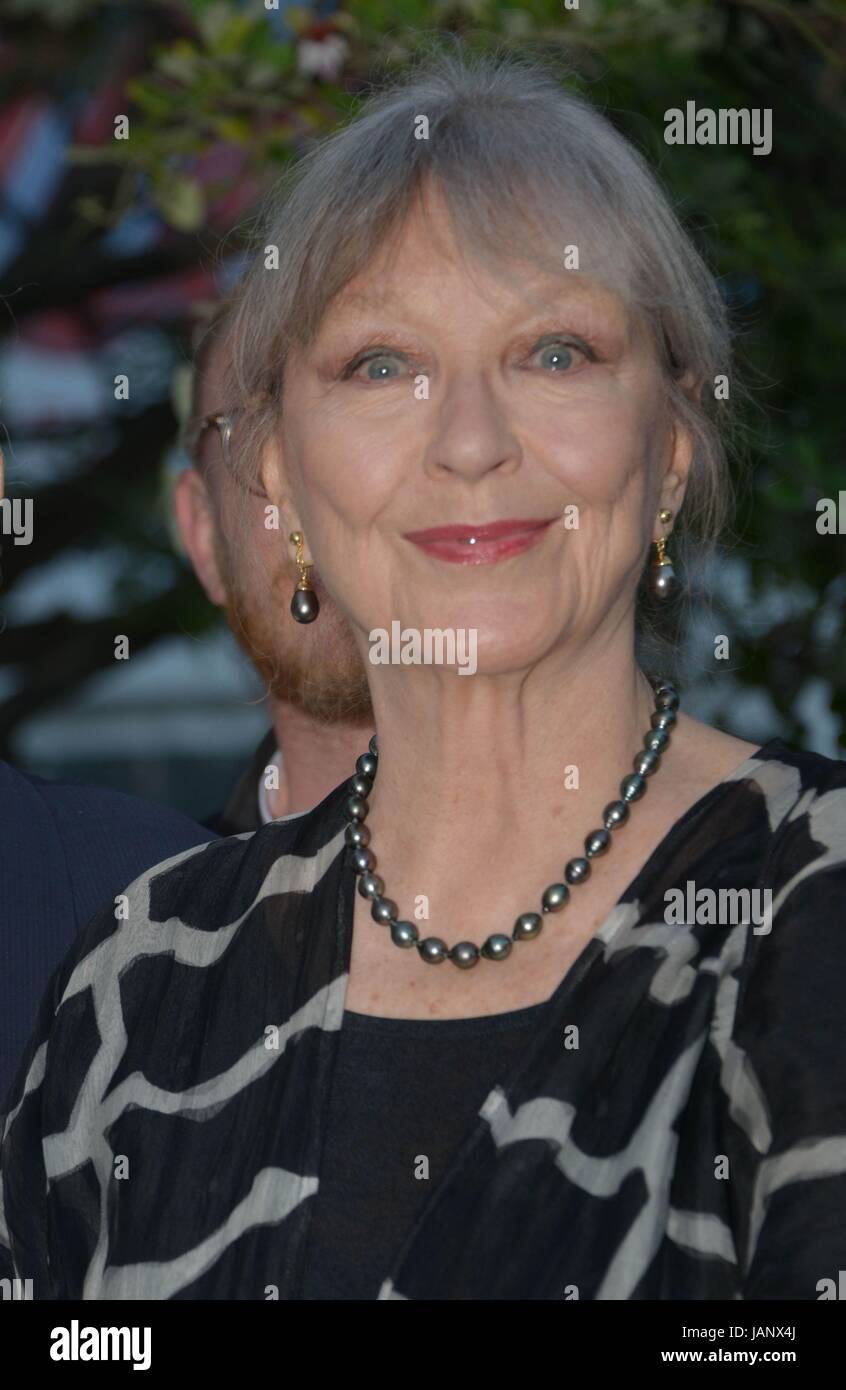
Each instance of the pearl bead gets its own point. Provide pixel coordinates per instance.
(646, 762)
(597, 843)
(404, 933)
(555, 897)
(615, 813)
(370, 886)
(663, 719)
(663, 580)
(465, 955)
(657, 739)
(363, 860)
(433, 950)
(497, 946)
(577, 870)
(668, 699)
(366, 765)
(357, 834)
(384, 910)
(359, 786)
(357, 807)
(633, 787)
(528, 924)
(374, 745)
(304, 605)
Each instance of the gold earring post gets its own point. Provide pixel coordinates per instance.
(664, 516)
(297, 539)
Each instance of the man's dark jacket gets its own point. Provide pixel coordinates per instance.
(65, 850)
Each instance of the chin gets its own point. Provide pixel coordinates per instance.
(511, 639)
(503, 653)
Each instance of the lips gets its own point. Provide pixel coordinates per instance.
(469, 544)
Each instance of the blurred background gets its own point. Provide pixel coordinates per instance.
(112, 252)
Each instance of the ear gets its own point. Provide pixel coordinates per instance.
(681, 450)
(197, 524)
(275, 483)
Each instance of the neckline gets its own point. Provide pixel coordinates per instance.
(527, 1067)
(607, 929)
(430, 1027)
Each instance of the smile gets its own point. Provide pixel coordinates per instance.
(480, 545)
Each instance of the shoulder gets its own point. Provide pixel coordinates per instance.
(187, 910)
(214, 885)
(787, 965)
(805, 798)
(803, 869)
(95, 839)
(796, 793)
(790, 1020)
(77, 806)
(783, 1070)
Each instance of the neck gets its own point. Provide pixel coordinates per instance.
(315, 756)
(476, 777)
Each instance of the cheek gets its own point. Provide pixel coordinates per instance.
(598, 449)
(348, 469)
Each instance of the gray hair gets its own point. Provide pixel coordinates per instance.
(523, 164)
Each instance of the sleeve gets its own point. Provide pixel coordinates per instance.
(790, 1036)
(23, 1181)
(39, 1103)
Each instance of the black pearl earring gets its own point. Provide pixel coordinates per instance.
(663, 576)
(305, 604)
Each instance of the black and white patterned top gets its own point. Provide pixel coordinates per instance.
(675, 1129)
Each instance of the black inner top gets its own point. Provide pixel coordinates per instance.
(405, 1091)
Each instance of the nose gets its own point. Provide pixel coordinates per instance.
(472, 434)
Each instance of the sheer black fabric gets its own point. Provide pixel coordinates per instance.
(168, 1125)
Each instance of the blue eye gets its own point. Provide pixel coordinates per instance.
(380, 360)
(562, 354)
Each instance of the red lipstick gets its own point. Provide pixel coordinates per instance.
(468, 544)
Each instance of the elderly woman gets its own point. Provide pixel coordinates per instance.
(546, 1001)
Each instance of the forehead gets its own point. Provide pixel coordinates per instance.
(425, 248)
(509, 291)
(525, 285)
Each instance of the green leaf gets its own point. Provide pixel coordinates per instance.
(179, 61)
(181, 200)
(237, 129)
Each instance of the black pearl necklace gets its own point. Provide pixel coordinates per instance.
(528, 925)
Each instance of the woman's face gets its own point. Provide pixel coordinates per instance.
(439, 395)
